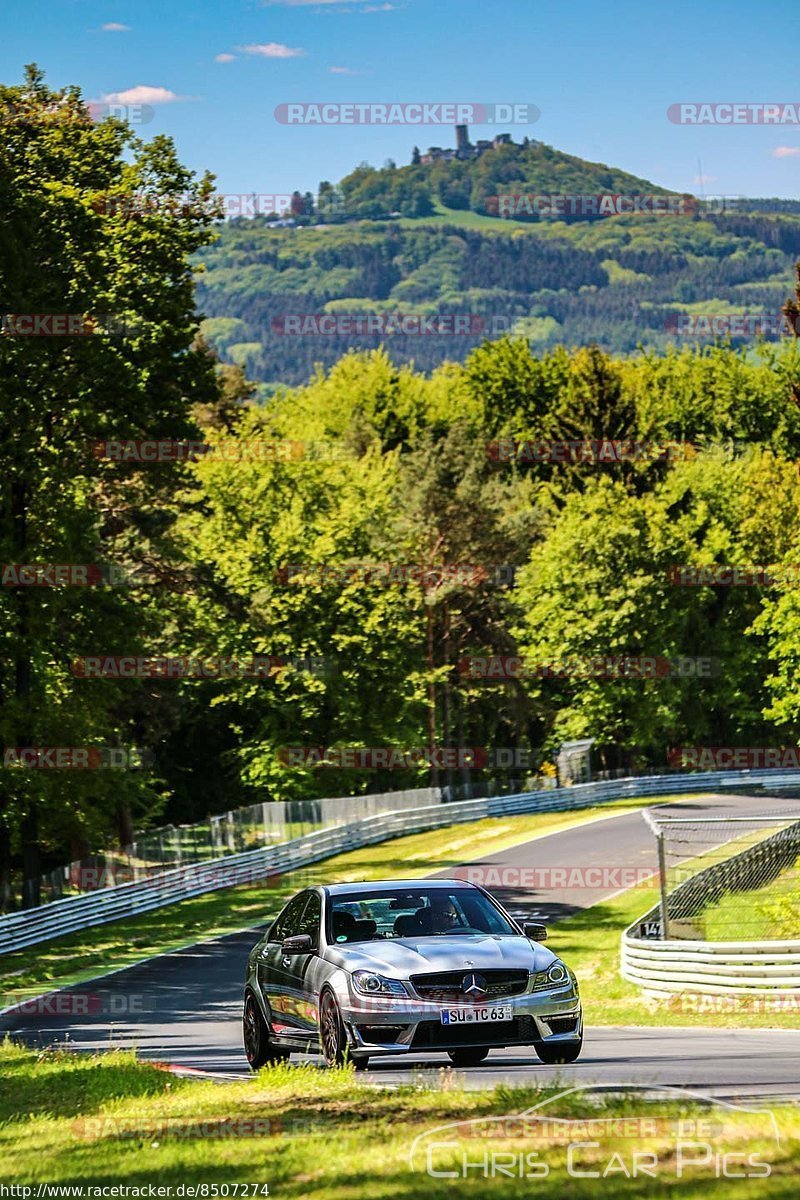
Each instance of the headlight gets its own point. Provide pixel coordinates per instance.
(557, 972)
(556, 975)
(370, 984)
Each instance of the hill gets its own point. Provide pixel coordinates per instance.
(622, 281)
(473, 182)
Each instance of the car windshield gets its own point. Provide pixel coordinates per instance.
(423, 912)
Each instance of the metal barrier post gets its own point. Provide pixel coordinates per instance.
(662, 879)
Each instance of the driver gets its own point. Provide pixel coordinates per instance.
(443, 915)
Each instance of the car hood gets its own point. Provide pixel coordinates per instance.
(411, 956)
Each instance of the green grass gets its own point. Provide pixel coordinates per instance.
(466, 219)
(772, 911)
(84, 955)
(75, 1119)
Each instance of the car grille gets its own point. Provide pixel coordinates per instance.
(447, 986)
(433, 1035)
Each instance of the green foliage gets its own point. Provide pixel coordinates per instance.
(615, 281)
(397, 465)
(65, 249)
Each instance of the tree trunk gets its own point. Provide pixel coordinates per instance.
(434, 775)
(31, 859)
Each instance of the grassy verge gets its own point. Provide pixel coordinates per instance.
(84, 955)
(75, 1119)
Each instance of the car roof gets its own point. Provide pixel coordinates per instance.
(400, 885)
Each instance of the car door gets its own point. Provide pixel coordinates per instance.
(306, 971)
(286, 976)
(271, 967)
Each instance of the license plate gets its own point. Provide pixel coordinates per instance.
(476, 1016)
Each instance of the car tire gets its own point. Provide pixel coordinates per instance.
(333, 1042)
(470, 1056)
(258, 1047)
(556, 1053)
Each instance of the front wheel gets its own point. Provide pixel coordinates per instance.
(468, 1057)
(554, 1053)
(331, 1031)
(335, 1049)
(257, 1045)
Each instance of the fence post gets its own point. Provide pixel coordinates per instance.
(662, 879)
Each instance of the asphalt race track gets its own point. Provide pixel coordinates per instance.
(184, 1008)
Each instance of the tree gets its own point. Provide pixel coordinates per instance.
(99, 226)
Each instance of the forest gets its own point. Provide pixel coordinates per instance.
(324, 559)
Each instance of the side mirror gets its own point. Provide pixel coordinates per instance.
(298, 943)
(535, 931)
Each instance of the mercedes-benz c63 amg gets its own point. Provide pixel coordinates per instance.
(396, 968)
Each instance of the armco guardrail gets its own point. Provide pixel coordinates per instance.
(254, 827)
(30, 927)
(674, 966)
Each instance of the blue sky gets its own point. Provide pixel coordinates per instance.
(602, 75)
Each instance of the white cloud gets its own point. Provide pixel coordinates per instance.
(380, 7)
(343, 71)
(224, 58)
(270, 50)
(143, 94)
(786, 152)
(115, 27)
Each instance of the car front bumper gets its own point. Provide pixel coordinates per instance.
(397, 1026)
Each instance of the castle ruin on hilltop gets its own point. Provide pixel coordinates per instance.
(464, 147)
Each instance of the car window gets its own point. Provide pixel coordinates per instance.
(288, 923)
(421, 913)
(310, 918)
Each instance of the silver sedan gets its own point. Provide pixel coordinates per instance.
(397, 967)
